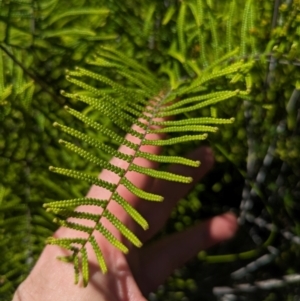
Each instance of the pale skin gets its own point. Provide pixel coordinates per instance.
(133, 276)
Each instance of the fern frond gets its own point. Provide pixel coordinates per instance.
(93, 159)
(66, 241)
(200, 120)
(177, 140)
(76, 268)
(113, 112)
(184, 102)
(83, 176)
(160, 174)
(84, 266)
(123, 229)
(75, 202)
(150, 113)
(112, 239)
(167, 159)
(224, 96)
(97, 126)
(98, 253)
(93, 142)
(141, 193)
(186, 128)
(83, 72)
(76, 214)
(107, 105)
(130, 210)
(75, 226)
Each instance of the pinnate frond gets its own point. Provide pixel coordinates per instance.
(148, 104)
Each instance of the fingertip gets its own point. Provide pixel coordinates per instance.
(223, 227)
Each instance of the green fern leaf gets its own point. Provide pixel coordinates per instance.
(176, 140)
(102, 129)
(115, 242)
(131, 211)
(81, 215)
(148, 104)
(225, 95)
(93, 142)
(75, 202)
(98, 253)
(123, 229)
(74, 226)
(65, 241)
(167, 159)
(76, 269)
(83, 176)
(186, 128)
(212, 96)
(140, 193)
(200, 120)
(93, 159)
(84, 266)
(160, 174)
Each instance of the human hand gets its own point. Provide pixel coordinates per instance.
(130, 277)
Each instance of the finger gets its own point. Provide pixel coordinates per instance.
(157, 213)
(161, 258)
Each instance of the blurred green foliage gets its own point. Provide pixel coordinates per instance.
(257, 168)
